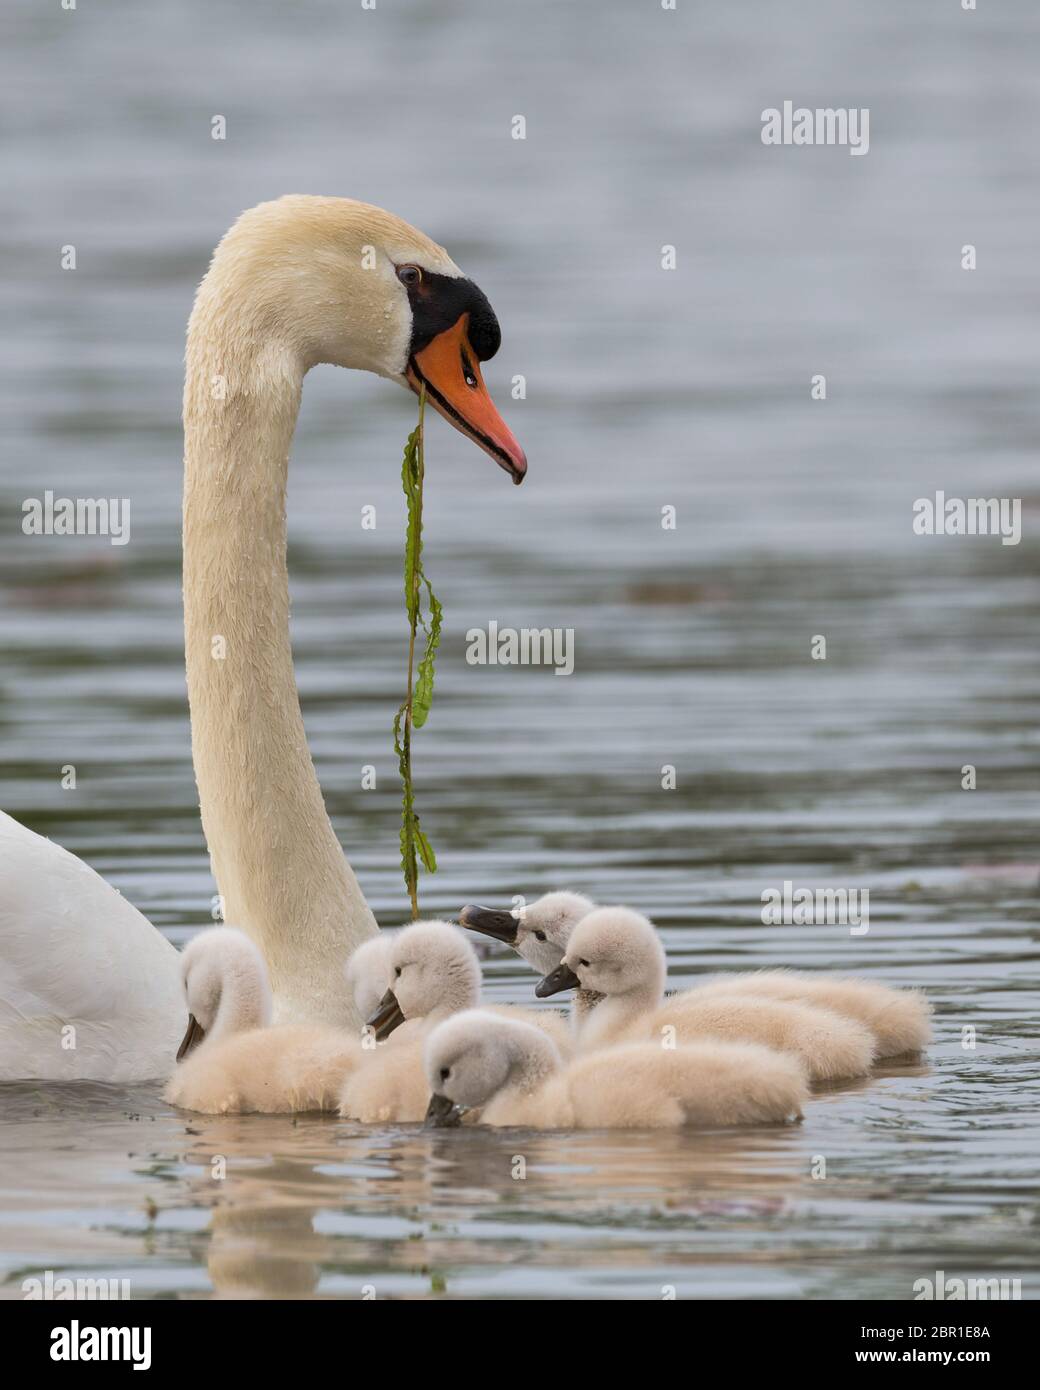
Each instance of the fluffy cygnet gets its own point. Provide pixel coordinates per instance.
(898, 1019)
(368, 972)
(231, 1061)
(512, 1074)
(433, 973)
(618, 953)
(539, 932)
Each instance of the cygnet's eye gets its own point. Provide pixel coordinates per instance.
(409, 275)
(540, 935)
(397, 972)
(583, 962)
(445, 1073)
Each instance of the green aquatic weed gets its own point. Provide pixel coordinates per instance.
(415, 708)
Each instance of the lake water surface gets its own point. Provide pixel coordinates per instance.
(645, 388)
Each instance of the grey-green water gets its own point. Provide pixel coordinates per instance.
(645, 389)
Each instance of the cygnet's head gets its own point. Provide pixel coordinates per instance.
(611, 951)
(433, 969)
(334, 280)
(538, 931)
(470, 1057)
(224, 975)
(368, 972)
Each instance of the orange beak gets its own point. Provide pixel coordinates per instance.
(449, 368)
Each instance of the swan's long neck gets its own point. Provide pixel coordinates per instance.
(280, 871)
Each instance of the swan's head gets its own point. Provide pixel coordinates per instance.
(223, 974)
(611, 951)
(368, 972)
(334, 280)
(469, 1058)
(433, 969)
(539, 931)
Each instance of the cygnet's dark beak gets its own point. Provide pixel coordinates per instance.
(563, 977)
(442, 1113)
(490, 922)
(194, 1034)
(387, 1017)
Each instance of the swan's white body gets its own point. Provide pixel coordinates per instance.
(293, 283)
(88, 987)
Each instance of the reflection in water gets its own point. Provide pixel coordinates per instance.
(884, 1178)
(415, 1203)
(644, 389)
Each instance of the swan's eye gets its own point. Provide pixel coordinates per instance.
(445, 1073)
(409, 275)
(540, 935)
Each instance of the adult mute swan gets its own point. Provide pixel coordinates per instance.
(295, 282)
(88, 988)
